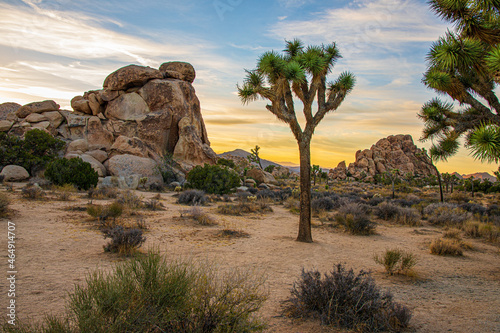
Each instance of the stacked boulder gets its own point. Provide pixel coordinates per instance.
(126, 128)
(394, 152)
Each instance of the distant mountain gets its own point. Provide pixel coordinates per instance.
(481, 175)
(242, 153)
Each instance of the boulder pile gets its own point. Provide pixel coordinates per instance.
(394, 152)
(126, 128)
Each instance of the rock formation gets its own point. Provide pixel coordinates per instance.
(394, 152)
(140, 115)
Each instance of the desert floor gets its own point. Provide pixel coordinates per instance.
(57, 247)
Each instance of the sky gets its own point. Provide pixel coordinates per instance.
(58, 49)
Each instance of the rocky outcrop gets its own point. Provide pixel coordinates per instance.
(261, 176)
(141, 113)
(394, 152)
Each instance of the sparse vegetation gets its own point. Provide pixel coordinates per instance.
(32, 192)
(192, 198)
(446, 246)
(197, 214)
(150, 294)
(129, 200)
(4, 204)
(355, 219)
(247, 207)
(396, 261)
(123, 240)
(346, 299)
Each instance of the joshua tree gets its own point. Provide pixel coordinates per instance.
(392, 175)
(465, 65)
(254, 156)
(429, 160)
(316, 171)
(301, 72)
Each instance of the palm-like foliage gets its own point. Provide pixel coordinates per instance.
(299, 72)
(464, 65)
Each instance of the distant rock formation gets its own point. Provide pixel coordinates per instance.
(239, 157)
(141, 114)
(394, 152)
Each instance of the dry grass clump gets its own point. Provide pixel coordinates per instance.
(4, 204)
(124, 241)
(104, 213)
(65, 192)
(154, 205)
(488, 231)
(32, 192)
(197, 214)
(446, 247)
(396, 261)
(130, 200)
(292, 204)
(102, 193)
(259, 206)
(355, 219)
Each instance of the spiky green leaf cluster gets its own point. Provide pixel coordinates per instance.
(464, 64)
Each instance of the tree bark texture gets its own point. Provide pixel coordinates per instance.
(305, 192)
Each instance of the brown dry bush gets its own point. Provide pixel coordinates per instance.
(445, 247)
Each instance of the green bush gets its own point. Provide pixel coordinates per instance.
(396, 260)
(226, 162)
(213, 179)
(149, 294)
(343, 298)
(74, 171)
(33, 153)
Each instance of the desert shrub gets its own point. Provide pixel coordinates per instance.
(489, 232)
(197, 214)
(396, 261)
(149, 294)
(4, 204)
(346, 299)
(192, 198)
(323, 204)
(282, 195)
(123, 241)
(375, 201)
(265, 194)
(32, 192)
(103, 213)
(445, 247)
(153, 204)
(355, 219)
(213, 179)
(73, 171)
(129, 199)
(474, 208)
(459, 197)
(407, 216)
(471, 229)
(292, 204)
(452, 234)
(65, 192)
(226, 162)
(386, 210)
(102, 193)
(33, 153)
(445, 214)
(241, 208)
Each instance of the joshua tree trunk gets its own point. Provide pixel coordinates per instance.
(305, 191)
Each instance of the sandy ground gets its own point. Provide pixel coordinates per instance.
(56, 248)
